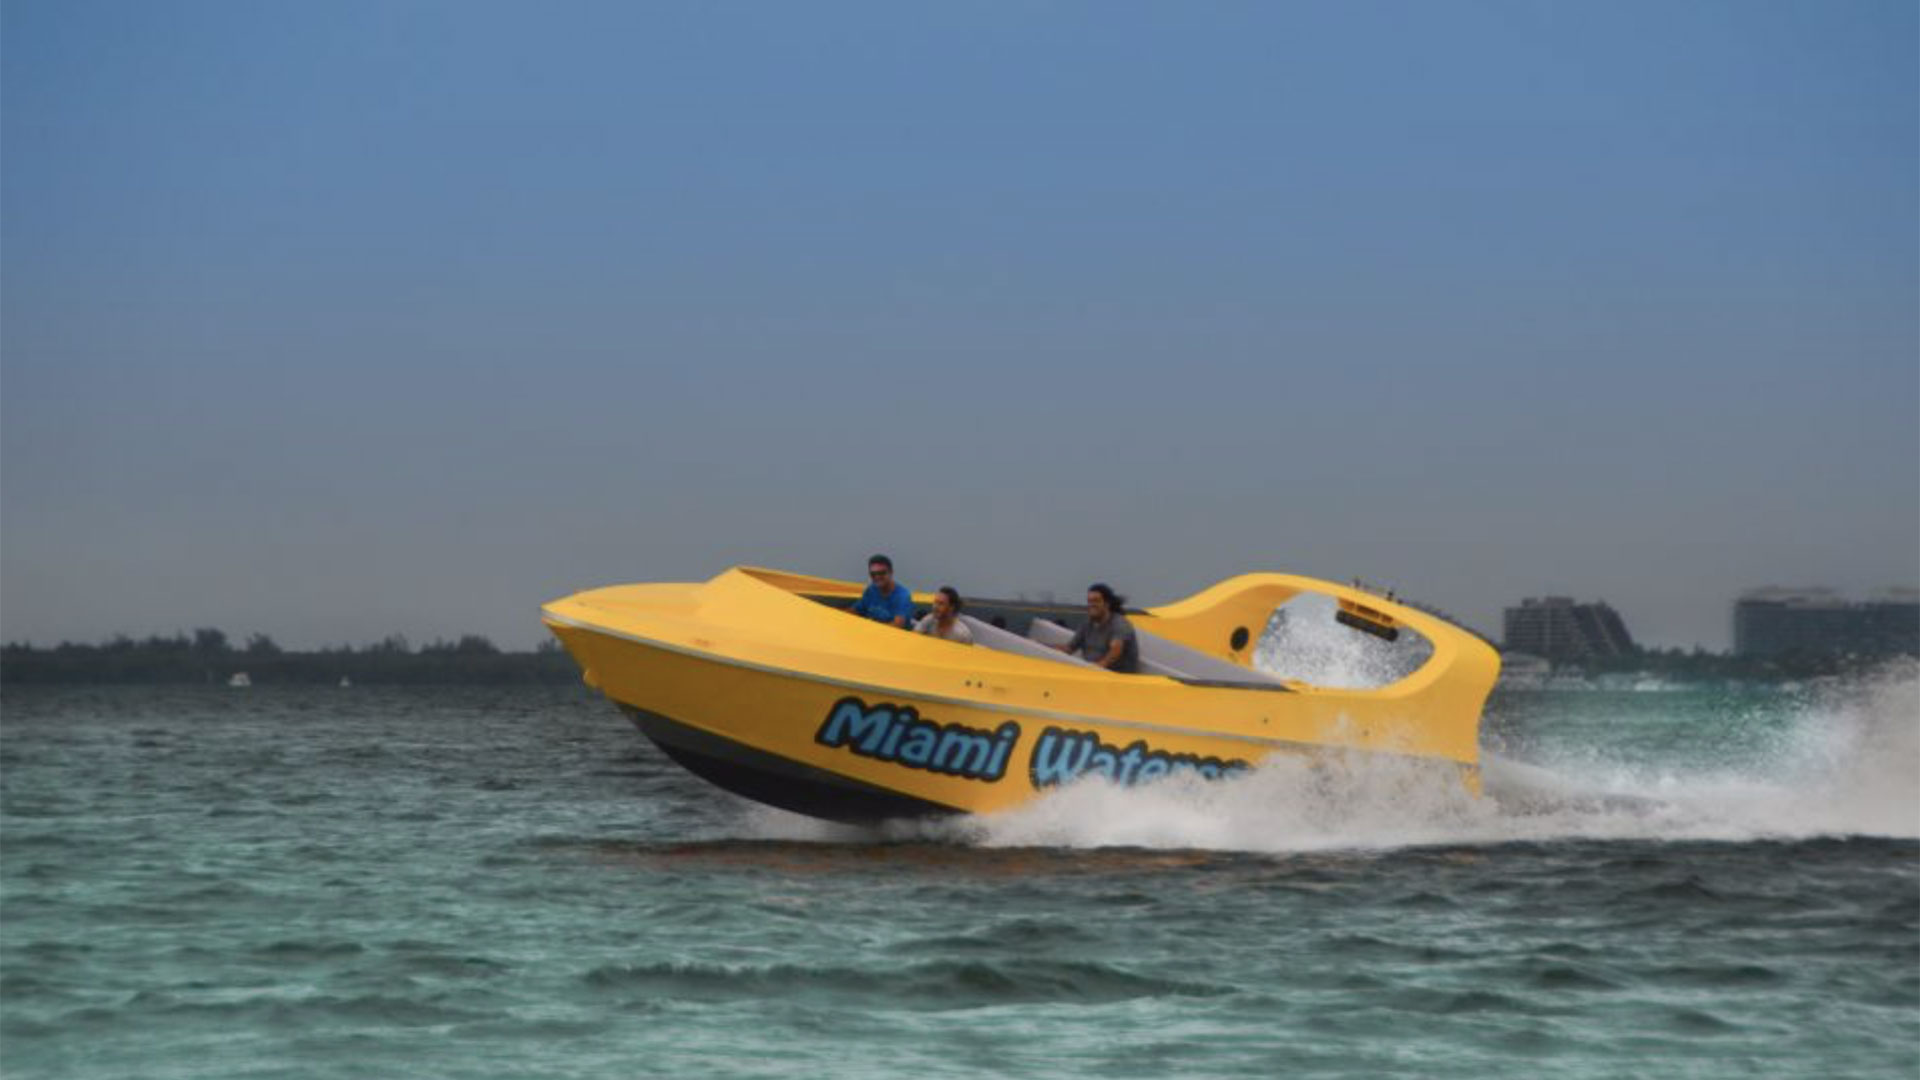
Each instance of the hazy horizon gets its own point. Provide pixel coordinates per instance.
(335, 321)
(239, 641)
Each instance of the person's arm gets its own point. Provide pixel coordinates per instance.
(902, 607)
(1124, 640)
(1072, 647)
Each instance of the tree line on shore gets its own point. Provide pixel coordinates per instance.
(209, 656)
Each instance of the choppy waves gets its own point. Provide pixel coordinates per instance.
(508, 885)
(933, 984)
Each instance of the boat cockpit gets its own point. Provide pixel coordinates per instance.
(1035, 629)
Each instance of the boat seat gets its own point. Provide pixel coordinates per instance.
(1198, 666)
(992, 637)
(1048, 632)
(1160, 656)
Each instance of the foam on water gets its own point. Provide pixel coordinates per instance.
(1845, 763)
(1848, 763)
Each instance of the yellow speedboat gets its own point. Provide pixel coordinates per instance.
(759, 682)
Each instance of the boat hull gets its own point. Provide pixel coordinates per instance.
(850, 748)
(768, 778)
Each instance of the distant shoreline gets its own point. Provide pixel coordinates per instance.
(207, 658)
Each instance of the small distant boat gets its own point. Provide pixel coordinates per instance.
(239, 678)
(345, 682)
(755, 682)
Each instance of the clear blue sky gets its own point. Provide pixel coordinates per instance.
(332, 320)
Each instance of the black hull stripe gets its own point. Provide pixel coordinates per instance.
(775, 780)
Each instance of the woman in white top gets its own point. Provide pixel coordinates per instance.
(944, 622)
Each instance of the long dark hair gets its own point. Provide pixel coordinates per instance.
(1115, 602)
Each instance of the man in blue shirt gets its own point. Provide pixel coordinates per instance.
(885, 600)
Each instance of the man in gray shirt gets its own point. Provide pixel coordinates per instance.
(1108, 639)
(944, 622)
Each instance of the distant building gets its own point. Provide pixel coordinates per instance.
(1774, 621)
(1558, 629)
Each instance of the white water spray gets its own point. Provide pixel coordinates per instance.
(1304, 641)
(1845, 762)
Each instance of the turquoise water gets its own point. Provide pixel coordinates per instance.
(464, 883)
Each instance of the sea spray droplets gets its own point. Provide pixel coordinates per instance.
(1861, 741)
(1304, 641)
(1286, 804)
(1844, 762)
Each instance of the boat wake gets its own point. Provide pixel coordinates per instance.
(1844, 763)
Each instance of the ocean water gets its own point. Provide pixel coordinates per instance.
(364, 882)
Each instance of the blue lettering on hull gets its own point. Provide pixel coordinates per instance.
(1061, 756)
(898, 734)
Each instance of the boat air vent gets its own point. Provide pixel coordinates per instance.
(1366, 620)
(1239, 639)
